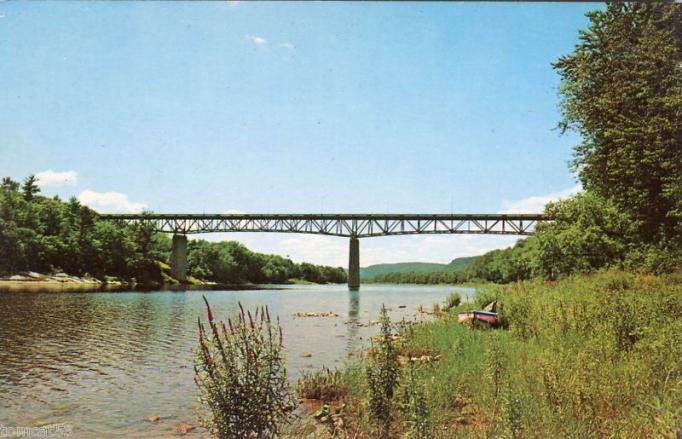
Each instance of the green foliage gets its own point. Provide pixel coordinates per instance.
(508, 265)
(46, 235)
(334, 421)
(424, 278)
(588, 233)
(622, 91)
(452, 301)
(322, 384)
(494, 365)
(484, 296)
(9, 184)
(374, 273)
(587, 356)
(30, 187)
(241, 376)
(383, 372)
(401, 267)
(461, 264)
(512, 410)
(230, 262)
(414, 407)
(419, 272)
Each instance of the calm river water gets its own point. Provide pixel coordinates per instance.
(102, 362)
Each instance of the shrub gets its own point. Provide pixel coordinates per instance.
(414, 408)
(453, 300)
(486, 295)
(321, 384)
(383, 370)
(241, 376)
(494, 365)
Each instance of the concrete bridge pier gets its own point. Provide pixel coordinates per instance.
(354, 264)
(179, 258)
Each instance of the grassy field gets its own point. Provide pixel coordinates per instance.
(590, 356)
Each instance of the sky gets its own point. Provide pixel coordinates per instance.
(304, 107)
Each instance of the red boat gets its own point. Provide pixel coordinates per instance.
(488, 315)
(482, 316)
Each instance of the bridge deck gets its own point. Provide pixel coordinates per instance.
(348, 225)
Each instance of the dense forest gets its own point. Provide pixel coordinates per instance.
(48, 235)
(231, 262)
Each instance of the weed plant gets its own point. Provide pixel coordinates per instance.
(241, 376)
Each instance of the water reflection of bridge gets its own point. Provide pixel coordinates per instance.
(353, 226)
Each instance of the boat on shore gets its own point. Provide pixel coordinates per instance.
(488, 315)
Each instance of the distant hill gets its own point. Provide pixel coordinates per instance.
(461, 264)
(458, 264)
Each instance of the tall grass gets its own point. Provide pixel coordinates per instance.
(589, 356)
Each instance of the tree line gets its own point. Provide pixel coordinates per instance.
(621, 91)
(48, 235)
(231, 262)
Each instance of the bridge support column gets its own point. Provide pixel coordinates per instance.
(354, 264)
(179, 258)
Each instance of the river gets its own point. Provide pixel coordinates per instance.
(102, 362)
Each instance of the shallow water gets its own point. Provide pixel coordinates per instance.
(102, 362)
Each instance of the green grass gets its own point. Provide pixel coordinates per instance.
(589, 356)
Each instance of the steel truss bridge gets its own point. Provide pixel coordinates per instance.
(353, 226)
(348, 225)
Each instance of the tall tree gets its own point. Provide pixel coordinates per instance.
(8, 183)
(622, 91)
(30, 187)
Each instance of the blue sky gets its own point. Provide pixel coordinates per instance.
(292, 107)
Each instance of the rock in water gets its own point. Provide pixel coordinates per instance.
(184, 428)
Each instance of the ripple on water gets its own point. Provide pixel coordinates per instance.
(102, 362)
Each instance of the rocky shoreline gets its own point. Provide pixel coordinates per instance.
(58, 278)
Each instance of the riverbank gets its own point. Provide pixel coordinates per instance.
(590, 356)
(62, 281)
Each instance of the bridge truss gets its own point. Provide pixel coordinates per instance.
(348, 225)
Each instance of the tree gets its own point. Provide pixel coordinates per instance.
(9, 184)
(30, 187)
(589, 233)
(622, 91)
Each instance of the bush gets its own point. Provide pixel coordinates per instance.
(453, 300)
(414, 408)
(383, 371)
(484, 296)
(322, 384)
(241, 376)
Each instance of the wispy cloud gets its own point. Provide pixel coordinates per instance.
(287, 45)
(234, 212)
(536, 203)
(109, 202)
(53, 178)
(255, 39)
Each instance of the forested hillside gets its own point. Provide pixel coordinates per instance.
(48, 235)
(419, 272)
